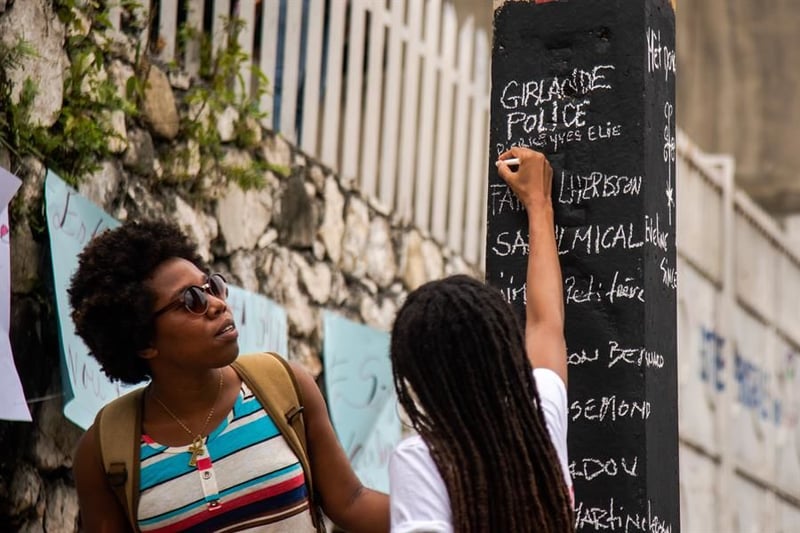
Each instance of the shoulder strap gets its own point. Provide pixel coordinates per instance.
(273, 382)
(118, 427)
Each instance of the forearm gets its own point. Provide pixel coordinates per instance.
(367, 513)
(545, 300)
(544, 328)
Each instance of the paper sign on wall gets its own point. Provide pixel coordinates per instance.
(261, 322)
(72, 220)
(12, 397)
(361, 397)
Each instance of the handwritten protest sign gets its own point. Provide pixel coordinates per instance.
(361, 397)
(72, 220)
(12, 397)
(261, 322)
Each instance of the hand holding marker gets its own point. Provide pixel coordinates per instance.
(511, 162)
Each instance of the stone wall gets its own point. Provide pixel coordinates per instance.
(306, 239)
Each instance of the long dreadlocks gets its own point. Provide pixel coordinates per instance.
(463, 377)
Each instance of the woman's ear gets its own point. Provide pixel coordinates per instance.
(148, 353)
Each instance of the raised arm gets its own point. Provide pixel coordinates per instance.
(532, 182)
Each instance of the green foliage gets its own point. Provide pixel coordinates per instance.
(11, 57)
(222, 87)
(78, 141)
(83, 128)
(13, 116)
(248, 177)
(96, 14)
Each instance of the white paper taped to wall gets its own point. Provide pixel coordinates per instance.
(12, 398)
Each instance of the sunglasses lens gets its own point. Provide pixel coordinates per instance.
(217, 286)
(195, 300)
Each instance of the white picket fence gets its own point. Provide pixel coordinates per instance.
(393, 94)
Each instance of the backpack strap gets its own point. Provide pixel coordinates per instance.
(115, 425)
(273, 382)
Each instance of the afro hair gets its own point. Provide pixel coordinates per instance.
(112, 307)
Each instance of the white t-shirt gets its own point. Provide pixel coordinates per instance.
(418, 495)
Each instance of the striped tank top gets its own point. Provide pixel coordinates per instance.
(247, 479)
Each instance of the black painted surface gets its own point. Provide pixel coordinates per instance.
(580, 81)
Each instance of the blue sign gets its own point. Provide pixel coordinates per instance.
(361, 396)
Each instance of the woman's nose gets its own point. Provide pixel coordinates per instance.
(216, 305)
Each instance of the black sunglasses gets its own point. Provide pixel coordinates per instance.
(194, 297)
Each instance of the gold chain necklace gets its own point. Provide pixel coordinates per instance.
(196, 448)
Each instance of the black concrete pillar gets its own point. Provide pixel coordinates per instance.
(591, 83)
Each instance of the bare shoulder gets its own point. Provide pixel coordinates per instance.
(308, 386)
(99, 508)
(87, 453)
(299, 371)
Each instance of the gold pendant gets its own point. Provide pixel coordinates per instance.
(196, 449)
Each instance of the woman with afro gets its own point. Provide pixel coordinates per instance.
(147, 309)
(488, 402)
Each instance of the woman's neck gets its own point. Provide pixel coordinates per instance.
(186, 392)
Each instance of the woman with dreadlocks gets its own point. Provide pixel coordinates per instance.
(491, 449)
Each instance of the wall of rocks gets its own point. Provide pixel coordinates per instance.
(307, 239)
